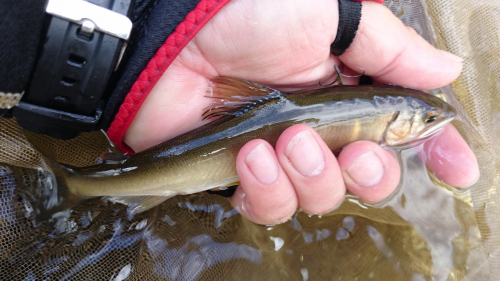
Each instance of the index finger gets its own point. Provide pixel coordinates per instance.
(392, 53)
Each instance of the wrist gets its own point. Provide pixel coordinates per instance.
(141, 73)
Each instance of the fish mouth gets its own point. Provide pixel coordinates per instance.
(438, 125)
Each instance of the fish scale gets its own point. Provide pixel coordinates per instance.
(205, 158)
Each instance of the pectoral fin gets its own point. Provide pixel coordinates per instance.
(224, 192)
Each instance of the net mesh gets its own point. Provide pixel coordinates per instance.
(454, 235)
(471, 29)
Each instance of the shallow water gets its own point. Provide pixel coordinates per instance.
(423, 231)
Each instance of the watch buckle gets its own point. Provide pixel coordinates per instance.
(91, 17)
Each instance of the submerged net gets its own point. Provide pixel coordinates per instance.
(425, 231)
(471, 29)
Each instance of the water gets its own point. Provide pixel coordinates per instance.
(425, 230)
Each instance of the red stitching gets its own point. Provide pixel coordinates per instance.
(157, 65)
(378, 1)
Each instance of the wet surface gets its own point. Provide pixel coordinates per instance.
(424, 231)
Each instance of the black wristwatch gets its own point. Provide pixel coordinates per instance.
(59, 80)
(84, 41)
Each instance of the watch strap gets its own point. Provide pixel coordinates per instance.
(82, 46)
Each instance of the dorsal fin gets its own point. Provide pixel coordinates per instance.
(236, 96)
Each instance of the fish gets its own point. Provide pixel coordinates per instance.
(205, 158)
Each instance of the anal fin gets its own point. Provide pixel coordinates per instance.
(114, 158)
(139, 204)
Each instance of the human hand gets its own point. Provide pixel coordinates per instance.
(287, 46)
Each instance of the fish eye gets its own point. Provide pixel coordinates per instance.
(431, 116)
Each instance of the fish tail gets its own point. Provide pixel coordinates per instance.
(58, 196)
(55, 196)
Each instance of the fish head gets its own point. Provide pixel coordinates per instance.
(418, 122)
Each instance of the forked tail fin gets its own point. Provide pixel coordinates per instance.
(55, 197)
(52, 192)
(51, 186)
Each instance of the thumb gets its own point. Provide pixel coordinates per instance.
(392, 53)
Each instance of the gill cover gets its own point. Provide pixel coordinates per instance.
(400, 128)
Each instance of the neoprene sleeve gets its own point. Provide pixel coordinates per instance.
(158, 64)
(161, 29)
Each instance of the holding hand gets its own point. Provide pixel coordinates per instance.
(286, 45)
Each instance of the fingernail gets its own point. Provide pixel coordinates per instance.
(367, 170)
(451, 56)
(476, 179)
(262, 164)
(305, 154)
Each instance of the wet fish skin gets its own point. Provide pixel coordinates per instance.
(205, 158)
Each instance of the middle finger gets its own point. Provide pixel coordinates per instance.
(312, 169)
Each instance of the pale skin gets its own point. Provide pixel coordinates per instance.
(285, 44)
